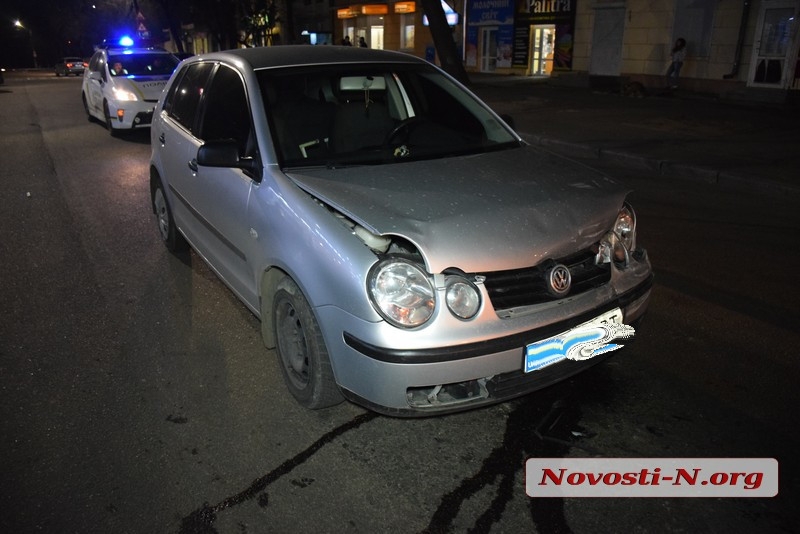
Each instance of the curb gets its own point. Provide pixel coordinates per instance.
(683, 171)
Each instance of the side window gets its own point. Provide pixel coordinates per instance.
(227, 114)
(184, 97)
(94, 63)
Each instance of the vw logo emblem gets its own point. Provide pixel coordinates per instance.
(559, 280)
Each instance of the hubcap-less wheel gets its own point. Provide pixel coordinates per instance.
(292, 344)
(162, 213)
(169, 233)
(302, 354)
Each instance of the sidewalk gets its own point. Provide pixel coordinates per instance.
(747, 146)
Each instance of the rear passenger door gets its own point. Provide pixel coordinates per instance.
(177, 141)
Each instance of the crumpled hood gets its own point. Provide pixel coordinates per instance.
(495, 211)
(145, 87)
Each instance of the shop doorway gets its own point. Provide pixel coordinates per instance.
(543, 38)
(775, 46)
(488, 49)
(376, 37)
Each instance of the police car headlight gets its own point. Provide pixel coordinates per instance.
(123, 95)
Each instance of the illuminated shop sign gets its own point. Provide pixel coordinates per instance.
(405, 7)
(366, 9)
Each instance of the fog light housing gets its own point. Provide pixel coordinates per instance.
(462, 297)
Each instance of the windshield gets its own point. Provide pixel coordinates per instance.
(142, 64)
(378, 113)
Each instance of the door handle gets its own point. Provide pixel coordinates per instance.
(161, 138)
(193, 165)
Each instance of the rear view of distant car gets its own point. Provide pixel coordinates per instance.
(70, 65)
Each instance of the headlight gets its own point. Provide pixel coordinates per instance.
(463, 298)
(123, 95)
(625, 227)
(618, 244)
(401, 292)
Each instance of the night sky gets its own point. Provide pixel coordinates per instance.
(58, 28)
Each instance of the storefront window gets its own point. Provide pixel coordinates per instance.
(407, 31)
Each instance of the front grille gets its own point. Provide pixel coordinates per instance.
(528, 286)
(516, 383)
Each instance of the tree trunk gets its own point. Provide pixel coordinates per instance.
(173, 24)
(443, 41)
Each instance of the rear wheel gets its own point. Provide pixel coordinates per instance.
(301, 349)
(172, 239)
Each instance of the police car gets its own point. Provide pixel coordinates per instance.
(121, 85)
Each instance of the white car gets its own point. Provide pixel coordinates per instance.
(121, 86)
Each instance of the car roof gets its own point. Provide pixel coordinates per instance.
(296, 55)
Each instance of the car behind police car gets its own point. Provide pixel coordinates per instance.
(123, 98)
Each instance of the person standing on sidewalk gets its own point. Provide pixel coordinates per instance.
(678, 56)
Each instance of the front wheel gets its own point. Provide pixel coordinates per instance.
(111, 130)
(301, 349)
(86, 108)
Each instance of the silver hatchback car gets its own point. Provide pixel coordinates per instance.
(402, 246)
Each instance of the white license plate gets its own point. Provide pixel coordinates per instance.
(582, 342)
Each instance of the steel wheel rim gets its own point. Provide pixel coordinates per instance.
(162, 213)
(292, 344)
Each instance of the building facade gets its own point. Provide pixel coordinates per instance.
(733, 46)
(745, 48)
(384, 25)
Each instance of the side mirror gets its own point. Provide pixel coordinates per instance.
(96, 76)
(225, 154)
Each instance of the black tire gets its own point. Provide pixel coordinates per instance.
(111, 130)
(302, 354)
(86, 108)
(172, 238)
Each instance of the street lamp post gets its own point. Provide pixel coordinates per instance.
(18, 24)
